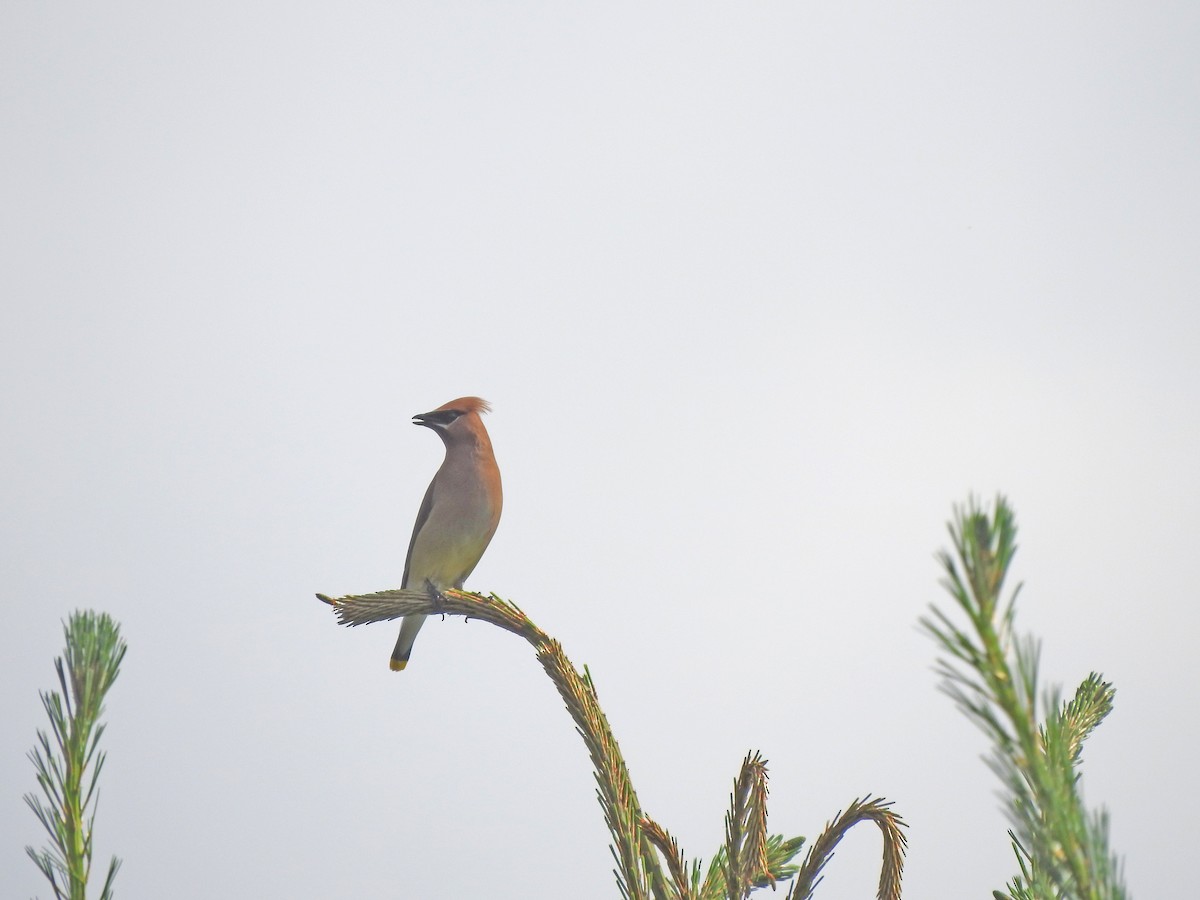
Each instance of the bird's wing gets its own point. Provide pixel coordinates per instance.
(422, 518)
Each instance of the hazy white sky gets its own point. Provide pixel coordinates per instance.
(758, 291)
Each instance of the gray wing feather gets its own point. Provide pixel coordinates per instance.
(422, 518)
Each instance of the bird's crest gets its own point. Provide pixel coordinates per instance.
(467, 405)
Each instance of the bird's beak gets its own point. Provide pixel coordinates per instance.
(438, 419)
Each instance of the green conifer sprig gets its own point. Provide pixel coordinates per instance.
(68, 761)
(992, 675)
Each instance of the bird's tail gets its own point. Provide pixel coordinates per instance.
(404, 644)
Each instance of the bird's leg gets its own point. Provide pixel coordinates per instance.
(439, 601)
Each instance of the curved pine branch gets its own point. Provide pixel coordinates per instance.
(750, 859)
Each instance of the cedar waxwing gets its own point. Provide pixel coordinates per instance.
(459, 514)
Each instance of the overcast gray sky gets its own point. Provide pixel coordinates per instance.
(758, 291)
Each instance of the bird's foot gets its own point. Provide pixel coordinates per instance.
(438, 598)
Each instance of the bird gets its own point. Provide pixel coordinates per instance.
(459, 514)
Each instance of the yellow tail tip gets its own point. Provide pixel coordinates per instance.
(397, 665)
